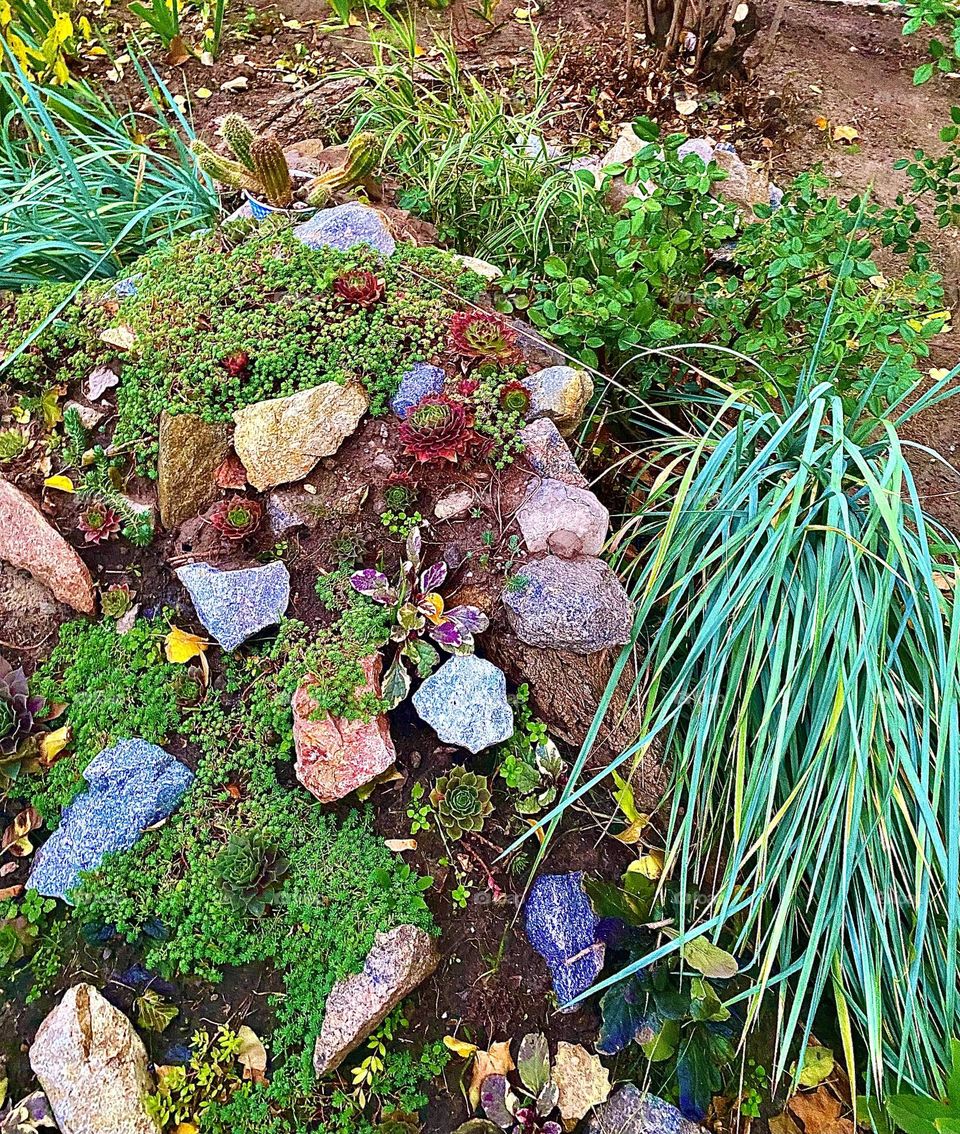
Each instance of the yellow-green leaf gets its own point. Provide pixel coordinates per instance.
(709, 959)
(60, 483)
(180, 646)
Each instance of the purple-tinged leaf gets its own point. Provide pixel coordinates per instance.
(447, 635)
(495, 1096)
(469, 619)
(373, 584)
(432, 579)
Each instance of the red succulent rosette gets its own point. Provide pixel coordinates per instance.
(515, 397)
(236, 364)
(236, 517)
(477, 334)
(438, 429)
(359, 287)
(99, 523)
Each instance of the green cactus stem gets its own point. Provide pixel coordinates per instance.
(221, 169)
(239, 137)
(362, 152)
(271, 171)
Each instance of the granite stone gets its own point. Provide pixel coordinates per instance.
(235, 605)
(344, 227)
(130, 787)
(629, 1111)
(561, 927)
(419, 381)
(546, 452)
(569, 604)
(465, 703)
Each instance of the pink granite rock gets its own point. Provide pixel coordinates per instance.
(563, 518)
(336, 756)
(28, 541)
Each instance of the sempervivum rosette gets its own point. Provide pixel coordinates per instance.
(360, 288)
(17, 708)
(438, 429)
(476, 334)
(461, 801)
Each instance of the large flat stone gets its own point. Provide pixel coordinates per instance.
(569, 604)
(336, 756)
(465, 703)
(399, 961)
(629, 1111)
(92, 1066)
(235, 605)
(28, 541)
(131, 786)
(281, 439)
(191, 451)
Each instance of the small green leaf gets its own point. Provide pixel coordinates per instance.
(533, 1062)
(709, 959)
(817, 1064)
(153, 1012)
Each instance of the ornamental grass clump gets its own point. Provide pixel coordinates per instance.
(461, 800)
(802, 669)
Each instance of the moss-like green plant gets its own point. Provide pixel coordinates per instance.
(461, 800)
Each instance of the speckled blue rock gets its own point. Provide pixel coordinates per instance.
(546, 452)
(569, 604)
(561, 926)
(629, 1111)
(235, 605)
(131, 786)
(125, 288)
(465, 703)
(419, 381)
(344, 227)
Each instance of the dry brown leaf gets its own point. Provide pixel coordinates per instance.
(16, 838)
(845, 134)
(817, 1110)
(400, 845)
(582, 1079)
(9, 892)
(177, 52)
(231, 473)
(252, 1055)
(783, 1124)
(495, 1061)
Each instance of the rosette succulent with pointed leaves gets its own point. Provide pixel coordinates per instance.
(515, 398)
(400, 492)
(251, 871)
(420, 614)
(236, 517)
(18, 709)
(438, 428)
(116, 600)
(360, 288)
(99, 523)
(461, 800)
(477, 334)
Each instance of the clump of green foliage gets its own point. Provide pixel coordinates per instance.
(195, 908)
(219, 329)
(114, 686)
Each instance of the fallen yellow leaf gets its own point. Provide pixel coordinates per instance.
(460, 1047)
(496, 1061)
(845, 134)
(649, 865)
(53, 743)
(203, 92)
(60, 483)
(180, 646)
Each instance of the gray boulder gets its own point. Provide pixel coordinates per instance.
(546, 452)
(465, 703)
(131, 786)
(92, 1066)
(235, 605)
(569, 604)
(563, 518)
(560, 393)
(357, 1005)
(628, 1111)
(346, 226)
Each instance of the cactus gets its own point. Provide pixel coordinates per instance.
(227, 172)
(362, 152)
(258, 166)
(239, 137)
(271, 170)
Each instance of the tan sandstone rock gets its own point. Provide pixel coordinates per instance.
(29, 542)
(357, 1005)
(92, 1066)
(191, 451)
(280, 440)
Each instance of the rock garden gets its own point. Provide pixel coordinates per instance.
(459, 695)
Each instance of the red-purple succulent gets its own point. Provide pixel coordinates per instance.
(99, 523)
(236, 517)
(438, 429)
(359, 287)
